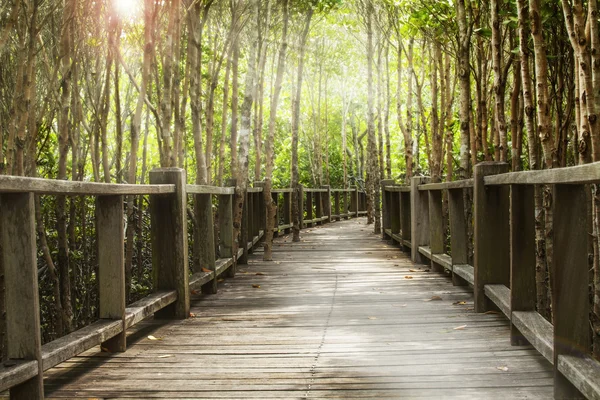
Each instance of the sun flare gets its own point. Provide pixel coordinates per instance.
(127, 9)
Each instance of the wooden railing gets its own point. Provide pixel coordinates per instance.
(503, 274)
(173, 277)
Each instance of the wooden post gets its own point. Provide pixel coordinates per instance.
(244, 232)
(394, 214)
(420, 219)
(522, 254)
(261, 210)
(570, 284)
(19, 259)
(436, 225)
(111, 266)
(205, 245)
(287, 211)
(257, 221)
(405, 219)
(275, 198)
(309, 209)
(319, 207)
(386, 204)
(250, 217)
(327, 203)
(458, 232)
(492, 233)
(346, 205)
(354, 201)
(170, 241)
(226, 229)
(336, 206)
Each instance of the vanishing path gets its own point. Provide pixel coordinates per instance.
(341, 314)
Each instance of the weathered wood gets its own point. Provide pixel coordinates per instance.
(570, 272)
(327, 203)
(74, 343)
(19, 261)
(386, 204)
(459, 238)
(261, 209)
(309, 209)
(254, 189)
(301, 206)
(275, 199)
(19, 184)
(244, 233)
(354, 201)
(405, 219)
(141, 309)
(462, 184)
(205, 239)
(425, 251)
(443, 260)
(111, 266)
(224, 264)
(346, 204)
(17, 372)
(251, 218)
(285, 190)
(464, 271)
(536, 330)
(580, 174)
(492, 233)
(522, 254)
(420, 219)
(215, 190)
(398, 189)
(318, 207)
(226, 229)
(287, 212)
(336, 206)
(436, 223)
(170, 241)
(395, 218)
(583, 373)
(500, 296)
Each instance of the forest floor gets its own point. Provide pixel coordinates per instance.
(342, 314)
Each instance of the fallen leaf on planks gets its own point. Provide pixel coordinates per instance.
(411, 270)
(206, 270)
(165, 356)
(195, 292)
(153, 337)
(460, 328)
(459, 303)
(427, 270)
(408, 277)
(256, 286)
(104, 349)
(491, 312)
(434, 298)
(192, 315)
(372, 317)
(502, 368)
(220, 280)
(260, 273)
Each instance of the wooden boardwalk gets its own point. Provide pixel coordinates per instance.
(339, 315)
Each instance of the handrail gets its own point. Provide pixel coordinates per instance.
(204, 189)
(503, 273)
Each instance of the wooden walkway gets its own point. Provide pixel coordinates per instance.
(339, 315)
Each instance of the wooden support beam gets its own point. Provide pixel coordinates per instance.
(420, 219)
(570, 284)
(327, 203)
(204, 239)
(168, 214)
(111, 266)
(309, 208)
(405, 219)
(243, 239)
(522, 255)
(19, 259)
(287, 211)
(386, 204)
(226, 230)
(436, 226)
(459, 238)
(336, 205)
(301, 207)
(492, 233)
(318, 207)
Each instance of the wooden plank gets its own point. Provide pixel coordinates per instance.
(425, 251)
(583, 373)
(223, 264)
(465, 271)
(204, 189)
(77, 342)
(405, 219)
(285, 190)
(169, 237)
(570, 271)
(443, 260)
(314, 190)
(462, 184)
(19, 184)
(537, 331)
(255, 190)
(111, 266)
(386, 207)
(19, 262)
(522, 254)
(146, 307)
(420, 219)
(500, 296)
(492, 233)
(580, 174)
(287, 213)
(16, 372)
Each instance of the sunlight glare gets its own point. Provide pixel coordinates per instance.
(127, 9)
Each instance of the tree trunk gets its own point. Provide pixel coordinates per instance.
(464, 76)
(499, 84)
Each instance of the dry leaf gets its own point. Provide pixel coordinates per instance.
(427, 270)
(165, 356)
(460, 328)
(220, 280)
(411, 270)
(260, 273)
(434, 298)
(153, 337)
(491, 312)
(206, 270)
(502, 368)
(104, 349)
(195, 292)
(372, 317)
(256, 286)
(192, 315)
(459, 303)
(408, 277)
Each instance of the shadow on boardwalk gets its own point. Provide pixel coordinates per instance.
(341, 314)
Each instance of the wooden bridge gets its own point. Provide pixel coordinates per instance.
(339, 314)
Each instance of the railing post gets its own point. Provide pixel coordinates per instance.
(436, 225)
(394, 214)
(309, 209)
(249, 206)
(205, 239)
(243, 239)
(261, 210)
(458, 233)
(354, 201)
(170, 241)
(226, 238)
(492, 233)
(571, 264)
(420, 219)
(336, 205)
(19, 259)
(522, 254)
(319, 207)
(405, 220)
(287, 211)
(385, 207)
(346, 205)
(275, 197)
(111, 266)
(327, 203)
(300, 207)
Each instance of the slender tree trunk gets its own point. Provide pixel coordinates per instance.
(386, 115)
(499, 84)
(224, 123)
(464, 75)
(234, 105)
(372, 168)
